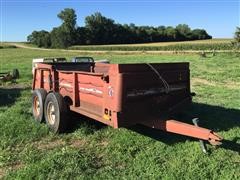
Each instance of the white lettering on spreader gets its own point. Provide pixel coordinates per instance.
(92, 90)
(65, 85)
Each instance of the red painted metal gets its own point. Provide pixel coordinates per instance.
(121, 95)
(186, 129)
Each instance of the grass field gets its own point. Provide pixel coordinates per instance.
(93, 151)
(211, 44)
(210, 41)
(6, 45)
(175, 47)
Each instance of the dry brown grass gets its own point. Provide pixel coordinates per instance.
(76, 143)
(229, 84)
(2, 173)
(13, 167)
(47, 145)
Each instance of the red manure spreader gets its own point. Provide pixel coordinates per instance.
(118, 95)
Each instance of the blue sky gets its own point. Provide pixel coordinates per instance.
(219, 17)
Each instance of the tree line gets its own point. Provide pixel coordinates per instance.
(102, 30)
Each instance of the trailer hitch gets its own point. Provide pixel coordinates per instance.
(185, 129)
(214, 138)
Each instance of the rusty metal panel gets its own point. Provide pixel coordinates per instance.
(117, 93)
(122, 95)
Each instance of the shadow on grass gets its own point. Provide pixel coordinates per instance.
(8, 96)
(211, 117)
(78, 121)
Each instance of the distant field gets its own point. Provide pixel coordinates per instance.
(6, 45)
(211, 44)
(210, 41)
(93, 151)
(218, 45)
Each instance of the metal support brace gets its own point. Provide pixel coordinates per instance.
(202, 143)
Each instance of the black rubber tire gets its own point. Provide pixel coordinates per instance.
(40, 94)
(15, 74)
(61, 113)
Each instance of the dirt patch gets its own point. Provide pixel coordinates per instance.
(76, 143)
(2, 173)
(49, 144)
(16, 166)
(103, 143)
(13, 167)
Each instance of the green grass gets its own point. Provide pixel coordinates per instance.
(93, 151)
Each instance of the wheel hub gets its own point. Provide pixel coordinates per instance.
(51, 113)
